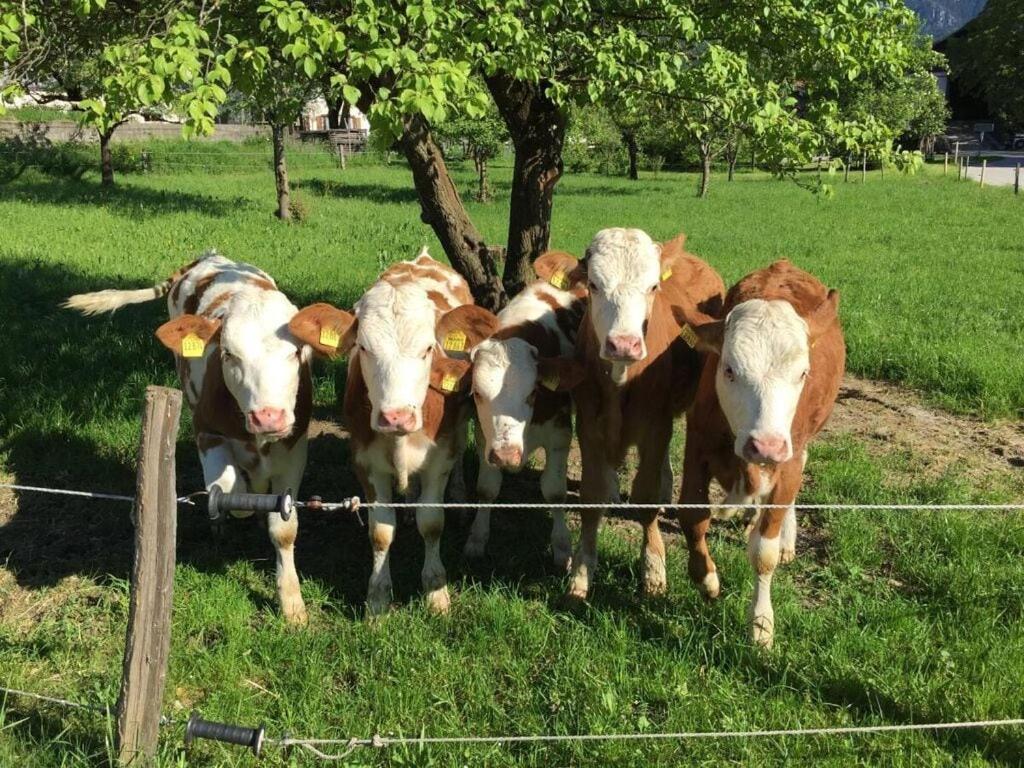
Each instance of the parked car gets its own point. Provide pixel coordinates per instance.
(1016, 141)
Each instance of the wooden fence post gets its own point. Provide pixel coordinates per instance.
(152, 589)
(846, 172)
(945, 164)
(864, 167)
(1016, 180)
(984, 164)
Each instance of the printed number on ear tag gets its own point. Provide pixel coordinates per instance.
(550, 381)
(329, 338)
(449, 382)
(686, 334)
(666, 275)
(192, 346)
(455, 341)
(559, 279)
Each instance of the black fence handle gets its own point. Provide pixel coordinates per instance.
(220, 502)
(197, 728)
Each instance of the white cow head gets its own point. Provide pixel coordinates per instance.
(259, 358)
(393, 333)
(507, 375)
(764, 361)
(624, 270)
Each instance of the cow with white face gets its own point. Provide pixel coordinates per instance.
(406, 401)
(768, 386)
(522, 375)
(636, 381)
(247, 381)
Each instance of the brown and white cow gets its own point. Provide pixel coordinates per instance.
(767, 388)
(522, 375)
(247, 381)
(636, 380)
(406, 402)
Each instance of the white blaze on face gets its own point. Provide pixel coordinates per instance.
(261, 360)
(504, 383)
(761, 373)
(624, 270)
(395, 344)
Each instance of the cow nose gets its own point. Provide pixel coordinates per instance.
(397, 420)
(264, 420)
(506, 457)
(624, 347)
(766, 449)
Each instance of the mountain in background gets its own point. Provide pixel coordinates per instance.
(941, 18)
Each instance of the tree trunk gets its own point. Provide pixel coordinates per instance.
(705, 170)
(335, 117)
(442, 208)
(633, 155)
(284, 207)
(732, 152)
(106, 159)
(537, 127)
(481, 168)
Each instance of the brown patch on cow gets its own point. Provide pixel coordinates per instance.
(262, 283)
(441, 303)
(303, 409)
(539, 336)
(194, 299)
(206, 441)
(217, 411)
(213, 306)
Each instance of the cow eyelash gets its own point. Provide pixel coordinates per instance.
(429, 350)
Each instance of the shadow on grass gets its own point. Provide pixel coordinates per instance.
(124, 199)
(343, 190)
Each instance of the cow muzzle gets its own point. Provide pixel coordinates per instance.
(506, 457)
(624, 348)
(269, 421)
(767, 449)
(400, 421)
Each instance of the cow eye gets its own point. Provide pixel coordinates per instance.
(653, 288)
(592, 286)
(730, 374)
(803, 376)
(427, 352)
(228, 357)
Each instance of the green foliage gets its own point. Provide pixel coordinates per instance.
(593, 142)
(989, 58)
(480, 138)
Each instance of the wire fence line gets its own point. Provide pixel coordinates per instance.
(354, 503)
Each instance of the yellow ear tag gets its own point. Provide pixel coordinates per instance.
(666, 274)
(559, 279)
(455, 341)
(329, 338)
(192, 346)
(686, 334)
(449, 383)
(550, 381)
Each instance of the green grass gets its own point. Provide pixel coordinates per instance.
(39, 114)
(884, 618)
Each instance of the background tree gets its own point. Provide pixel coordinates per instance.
(481, 139)
(989, 59)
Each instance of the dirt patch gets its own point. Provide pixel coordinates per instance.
(886, 418)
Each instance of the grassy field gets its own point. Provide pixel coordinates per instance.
(883, 618)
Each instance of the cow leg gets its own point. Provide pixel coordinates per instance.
(430, 521)
(553, 486)
(488, 485)
(764, 551)
(599, 485)
(649, 488)
(789, 527)
(382, 533)
(695, 522)
(283, 534)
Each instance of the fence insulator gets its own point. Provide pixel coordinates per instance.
(197, 728)
(221, 502)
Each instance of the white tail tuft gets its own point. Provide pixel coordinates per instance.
(113, 299)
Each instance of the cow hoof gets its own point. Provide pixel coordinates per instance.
(379, 603)
(787, 555)
(295, 612)
(710, 586)
(438, 601)
(574, 600)
(655, 582)
(474, 549)
(762, 632)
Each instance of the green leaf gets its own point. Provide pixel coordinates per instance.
(309, 66)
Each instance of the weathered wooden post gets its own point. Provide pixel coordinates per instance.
(1016, 180)
(152, 588)
(984, 164)
(956, 152)
(967, 167)
(959, 171)
(864, 167)
(846, 172)
(945, 164)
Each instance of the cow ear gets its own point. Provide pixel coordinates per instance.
(329, 331)
(560, 269)
(707, 337)
(188, 335)
(560, 374)
(462, 328)
(449, 376)
(824, 316)
(671, 252)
